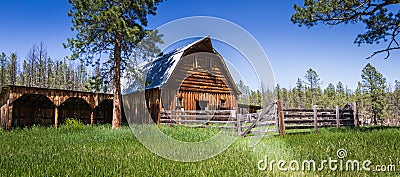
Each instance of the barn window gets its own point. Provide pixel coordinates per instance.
(194, 62)
(179, 102)
(223, 103)
(209, 63)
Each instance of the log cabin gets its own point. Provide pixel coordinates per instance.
(191, 78)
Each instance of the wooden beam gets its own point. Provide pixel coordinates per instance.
(56, 117)
(7, 124)
(337, 117)
(204, 90)
(294, 127)
(92, 116)
(159, 104)
(239, 128)
(308, 110)
(281, 117)
(197, 121)
(308, 121)
(315, 119)
(276, 116)
(309, 115)
(10, 115)
(205, 86)
(355, 114)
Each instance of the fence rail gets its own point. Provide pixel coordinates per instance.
(251, 124)
(198, 116)
(315, 118)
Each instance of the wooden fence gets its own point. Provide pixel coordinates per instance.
(277, 119)
(244, 124)
(299, 118)
(227, 119)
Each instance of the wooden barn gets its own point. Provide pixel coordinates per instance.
(26, 106)
(190, 80)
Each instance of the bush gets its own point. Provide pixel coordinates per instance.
(73, 123)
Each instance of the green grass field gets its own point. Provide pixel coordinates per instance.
(100, 151)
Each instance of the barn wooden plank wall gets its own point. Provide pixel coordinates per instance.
(200, 78)
(136, 109)
(31, 105)
(197, 77)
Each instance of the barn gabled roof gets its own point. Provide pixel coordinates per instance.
(158, 71)
(162, 67)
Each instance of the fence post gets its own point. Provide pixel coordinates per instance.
(56, 117)
(337, 117)
(315, 119)
(239, 128)
(92, 117)
(7, 119)
(276, 116)
(355, 114)
(281, 119)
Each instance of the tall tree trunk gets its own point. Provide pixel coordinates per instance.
(117, 115)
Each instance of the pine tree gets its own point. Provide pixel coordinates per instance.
(341, 94)
(380, 17)
(96, 83)
(374, 85)
(245, 90)
(396, 98)
(41, 65)
(285, 97)
(67, 76)
(25, 74)
(31, 64)
(60, 75)
(389, 101)
(278, 92)
(81, 78)
(3, 69)
(12, 69)
(113, 27)
(359, 96)
(330, 95)
(300, 92)
(314, 81)
(50, 73)
(296, 98)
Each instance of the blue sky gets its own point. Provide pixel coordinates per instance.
(291, 49)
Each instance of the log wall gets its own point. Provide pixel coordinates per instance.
(26, 106)
(200, 77)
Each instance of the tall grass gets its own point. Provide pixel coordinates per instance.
(101, 151)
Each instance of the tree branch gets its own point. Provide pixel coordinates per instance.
(387, 50)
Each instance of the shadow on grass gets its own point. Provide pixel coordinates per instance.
(363, 129)
(299, 132)
(342, 130)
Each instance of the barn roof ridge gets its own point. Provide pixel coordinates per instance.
(181, 49)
